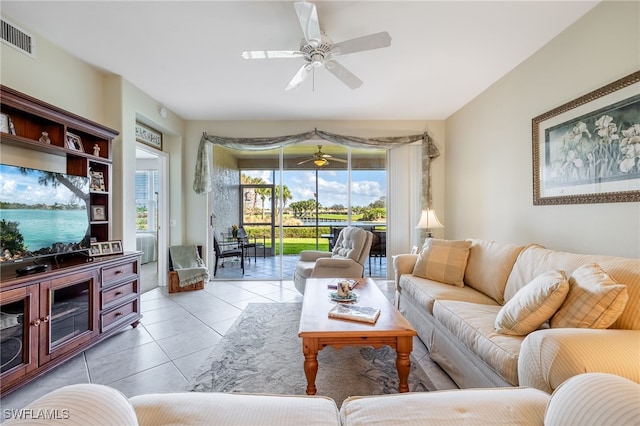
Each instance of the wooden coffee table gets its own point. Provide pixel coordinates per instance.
(318, 330)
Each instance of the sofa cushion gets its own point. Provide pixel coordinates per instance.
(443, 260)
(425, 292)
(594, 300)
(594, 399)
(535, 260)
(473, 325)
(512, 406)
(200, 408)
(489, 266)
(533, 304)
(78, 405)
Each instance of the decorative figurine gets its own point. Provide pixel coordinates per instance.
(96, 150)
(45, 138)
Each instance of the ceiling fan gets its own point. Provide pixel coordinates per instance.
(318, 50)
(321, 159)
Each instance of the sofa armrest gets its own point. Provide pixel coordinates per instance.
(549, 357)
(313, 255)
(81, 404)
(403, 264)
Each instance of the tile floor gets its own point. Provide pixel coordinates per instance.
(174, 338)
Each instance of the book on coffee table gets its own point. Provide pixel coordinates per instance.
(355, 313)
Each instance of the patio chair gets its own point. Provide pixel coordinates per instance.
(378, 247)
(230, 250)
(246, 244)
(346, 260)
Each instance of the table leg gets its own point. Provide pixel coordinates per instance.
(310, 350)
(403, 362)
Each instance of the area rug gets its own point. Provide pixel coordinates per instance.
(262, 353)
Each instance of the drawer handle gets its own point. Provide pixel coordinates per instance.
(45, 319)
(119, 271)
(118, 314)
(118, 293)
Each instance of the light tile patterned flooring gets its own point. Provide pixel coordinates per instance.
(176, 334)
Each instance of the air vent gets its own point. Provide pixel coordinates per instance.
(17, 38)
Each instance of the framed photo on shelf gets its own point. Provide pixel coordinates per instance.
(149, 136)
(586, 151)
(4, 123)
(74, 142)
(105, 248)
(98, 212)
(95, 249)
(116, 247)
(97, 181)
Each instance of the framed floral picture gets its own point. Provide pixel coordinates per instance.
(588, 150)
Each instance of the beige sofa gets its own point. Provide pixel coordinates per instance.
(458, 322)
(588, 399)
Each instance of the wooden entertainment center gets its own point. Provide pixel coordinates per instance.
(75, 301)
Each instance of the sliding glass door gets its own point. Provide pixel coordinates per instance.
(299, 198)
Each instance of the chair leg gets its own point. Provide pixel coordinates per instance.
(215, 269)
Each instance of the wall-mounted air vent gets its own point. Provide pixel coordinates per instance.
(17, 38)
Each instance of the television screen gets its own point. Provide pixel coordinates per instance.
(42, 213)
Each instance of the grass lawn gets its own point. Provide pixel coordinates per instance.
(296, 245)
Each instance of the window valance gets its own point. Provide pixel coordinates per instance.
(202, 179)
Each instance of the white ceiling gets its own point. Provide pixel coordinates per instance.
(186, 54)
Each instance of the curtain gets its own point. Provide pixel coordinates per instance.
(202, 179)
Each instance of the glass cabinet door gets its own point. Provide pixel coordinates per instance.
(69, 317)
(18, 332)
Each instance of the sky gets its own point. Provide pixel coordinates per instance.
(25, 189)
(367, 186)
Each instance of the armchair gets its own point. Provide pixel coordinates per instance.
(346, 260)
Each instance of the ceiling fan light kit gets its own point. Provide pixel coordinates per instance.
(317, 49)
(321, 159)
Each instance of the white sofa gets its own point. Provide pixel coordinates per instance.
(588, 399)
(458, 323)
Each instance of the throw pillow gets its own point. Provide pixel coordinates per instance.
(595, 300)
(533, 304)
(443, 261)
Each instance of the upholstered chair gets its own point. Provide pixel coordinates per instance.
(346, 260)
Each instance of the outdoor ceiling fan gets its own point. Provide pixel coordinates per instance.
(321, 159)
(318, 50)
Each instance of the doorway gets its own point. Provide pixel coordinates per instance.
(151, 215)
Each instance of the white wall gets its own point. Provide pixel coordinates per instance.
(489, 150)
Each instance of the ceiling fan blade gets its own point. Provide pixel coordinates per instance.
(339, 160)
(346, 76)
(368, 42)
(306, 161)
(271, 54)
(300, 76)
(308, 17)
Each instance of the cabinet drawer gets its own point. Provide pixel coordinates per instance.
(118, 273)
(119, 315)
(114, 295)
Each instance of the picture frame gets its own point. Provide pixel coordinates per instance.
(94, 250)
(96, 181)
(148, 136)
(98, 212)
(116, 246)
(588, 150)
(4, 123)
(74, 142)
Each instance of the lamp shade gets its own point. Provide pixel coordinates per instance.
(429, 220)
